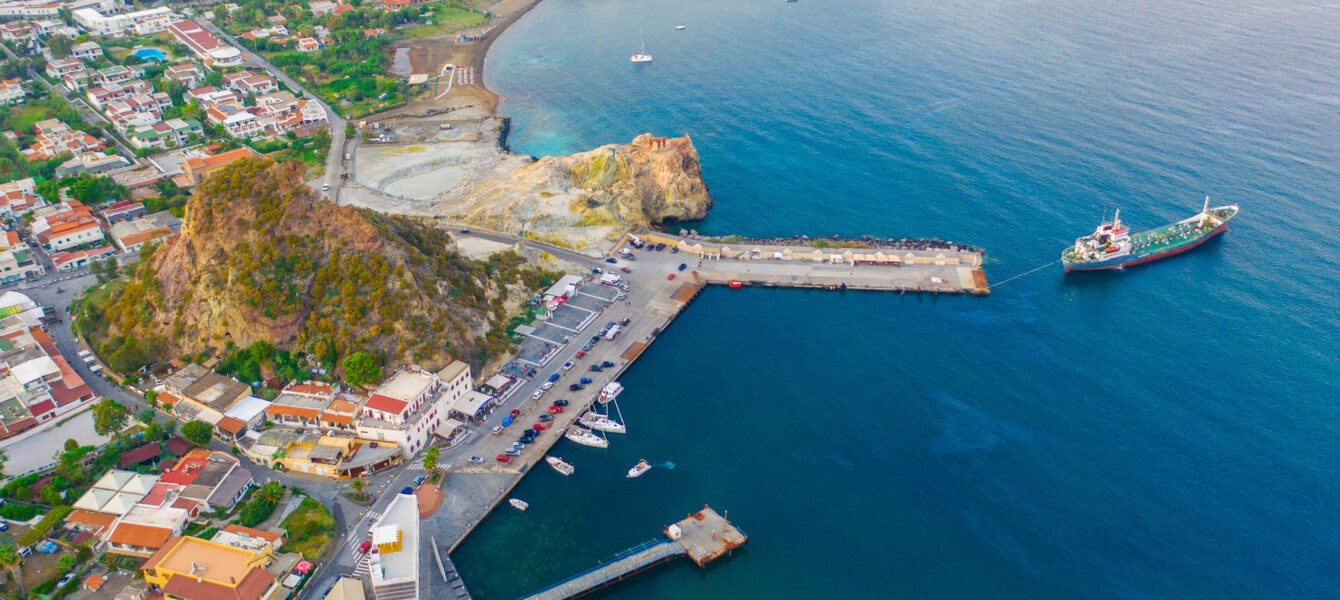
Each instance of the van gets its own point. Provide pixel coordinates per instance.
(96, 368)
(85, 354)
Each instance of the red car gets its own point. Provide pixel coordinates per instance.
(670, 276)
(553, 410)
(364, 547)
(515, 412)
(503, 458)
(537, 427)
(581, 354)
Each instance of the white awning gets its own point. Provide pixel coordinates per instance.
(498, 381)
(472, 403)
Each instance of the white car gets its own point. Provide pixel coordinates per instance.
(537, 395)
(546, 385)
(567, 366)
(497, 429)
(325, 187)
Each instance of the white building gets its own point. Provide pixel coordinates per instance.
(97, 23)
(393, 561)
(413, 403)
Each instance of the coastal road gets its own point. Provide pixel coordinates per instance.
(335, 157)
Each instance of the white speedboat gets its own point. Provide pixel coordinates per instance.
(518, 503)
(679, 28)
(603, 423)
(586, 437)
(560, 465)
(641, 467)
(610, 392)
(641, 56)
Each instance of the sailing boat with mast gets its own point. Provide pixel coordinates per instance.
(600, 422)
(641, 56)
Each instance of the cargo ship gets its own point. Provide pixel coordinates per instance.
(1113, 246)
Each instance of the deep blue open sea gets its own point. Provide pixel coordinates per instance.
(1172, 431)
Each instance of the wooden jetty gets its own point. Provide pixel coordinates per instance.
(703, 536)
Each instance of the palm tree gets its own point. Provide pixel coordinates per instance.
(430, 459)
(271, 492)
(10, 559)
(358, 484)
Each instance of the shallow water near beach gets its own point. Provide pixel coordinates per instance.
(1170, 431)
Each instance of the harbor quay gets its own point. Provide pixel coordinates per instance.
(661, 284)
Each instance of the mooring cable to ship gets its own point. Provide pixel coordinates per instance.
(998, 284)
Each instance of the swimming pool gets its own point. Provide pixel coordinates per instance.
(150, 54)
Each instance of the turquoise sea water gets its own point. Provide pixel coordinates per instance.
(1171, 431)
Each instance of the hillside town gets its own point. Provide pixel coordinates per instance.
(182, 481)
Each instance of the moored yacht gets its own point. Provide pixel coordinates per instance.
(586, 437)
(641, 56)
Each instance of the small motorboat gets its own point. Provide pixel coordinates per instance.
(641, 467)
(560, 465)
(518, 503)
(679, 28)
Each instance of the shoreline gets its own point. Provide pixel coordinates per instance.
(480, 58)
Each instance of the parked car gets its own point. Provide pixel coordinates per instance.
(554, 377)
(674, 249)
(595, 338)
(507, 421)
(476, 459)
(497, 429)
(538, 427)
(607, 364)
(602, 331)
(625, 322)
(546, 418)
(537, 395)
(419, 480)
(546, 385)
(560, 403)
(576, 386)
(588, 346)
(515, 412)
(66, 579)
(611, 261)
(670, 277)
(587, 380)
(625, 269)
(622, 296)
(503, 458)
(597, 368)
(596, 270)
(510, 452)
(4, 526)
(624, 286)
(683, 266)
(553, 410)
(567, 366)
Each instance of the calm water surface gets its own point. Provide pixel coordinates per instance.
(1167, 432)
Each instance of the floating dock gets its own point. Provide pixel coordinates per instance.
(703, 536)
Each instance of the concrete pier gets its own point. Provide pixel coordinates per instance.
(808, 265)
(703, 536)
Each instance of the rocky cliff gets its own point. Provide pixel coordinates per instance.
(259, 257)
(577, 201)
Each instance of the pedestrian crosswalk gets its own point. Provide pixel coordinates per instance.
(361, 567)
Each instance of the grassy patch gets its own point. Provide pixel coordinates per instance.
(24, 117)
(451, 17)
(309, 528)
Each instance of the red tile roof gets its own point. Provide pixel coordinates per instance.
(141, 536)
(385, 404)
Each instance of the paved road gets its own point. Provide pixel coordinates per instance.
(335, 158)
